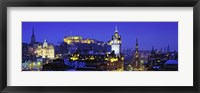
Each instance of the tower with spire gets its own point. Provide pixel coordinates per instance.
(136, 47)
(33, 37)
(136, 55)
(136, 64)
(116, 42)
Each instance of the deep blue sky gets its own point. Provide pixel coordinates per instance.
(157, 34)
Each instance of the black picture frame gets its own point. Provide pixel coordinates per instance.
(100, 3)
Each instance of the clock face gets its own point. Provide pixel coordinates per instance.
(115, 48)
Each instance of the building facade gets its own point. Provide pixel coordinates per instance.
(116, 42)
(77, 39)
(45, 50)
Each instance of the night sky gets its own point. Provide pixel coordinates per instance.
(157, 34)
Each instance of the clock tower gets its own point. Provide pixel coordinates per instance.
(116, 42)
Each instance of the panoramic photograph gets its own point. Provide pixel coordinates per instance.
(99, 46)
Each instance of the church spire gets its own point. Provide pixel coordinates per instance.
(136, 48)
(33, 36)
(136, 63)
(33, 31)
(136, 41)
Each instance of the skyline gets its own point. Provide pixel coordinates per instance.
(157, 34)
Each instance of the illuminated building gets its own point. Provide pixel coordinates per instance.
(137, 64)
(77, 39)
(116, 42)
(30, 65)
(75, 56)
(45, 50)
(114, 63)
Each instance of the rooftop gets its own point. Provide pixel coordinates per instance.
(171, 62)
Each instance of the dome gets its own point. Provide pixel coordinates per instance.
(45, 44)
